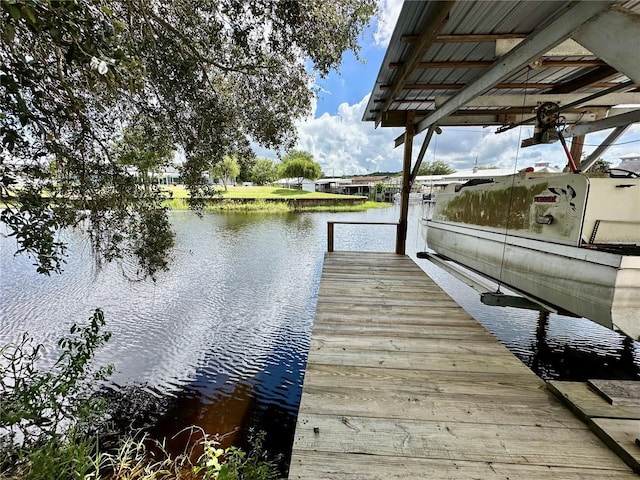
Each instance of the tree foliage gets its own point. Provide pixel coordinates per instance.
(300, 165)
(210, 76)
(600, 166)
(264, 171)
(437, 167)
(38, 406)
(146, 149)
(227, 169)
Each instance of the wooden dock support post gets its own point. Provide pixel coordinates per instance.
(330, 236)
(401, 239)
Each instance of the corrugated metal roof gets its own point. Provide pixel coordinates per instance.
(438, 49)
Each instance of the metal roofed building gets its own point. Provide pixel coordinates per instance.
(428, 182)
(459, 63)
(462, 176)
(331, 185)
(630, 162)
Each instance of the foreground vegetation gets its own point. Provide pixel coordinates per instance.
(53, 425)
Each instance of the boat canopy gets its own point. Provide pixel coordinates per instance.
(459, 63)
(507, 63)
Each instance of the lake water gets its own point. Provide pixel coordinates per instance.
(222, 338)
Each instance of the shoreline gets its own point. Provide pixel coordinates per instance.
(249, 204)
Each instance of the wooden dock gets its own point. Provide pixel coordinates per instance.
(402, 383)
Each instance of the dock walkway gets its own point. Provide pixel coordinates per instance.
(402, 383)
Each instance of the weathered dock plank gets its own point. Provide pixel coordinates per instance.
(521, 444)
(618, 392)
(476, 406)
(402, 383)
(588, 404)
(617, 423)
(622, 436)
(327, 342)
(338, 466)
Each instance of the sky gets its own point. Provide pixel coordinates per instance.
(343, 144)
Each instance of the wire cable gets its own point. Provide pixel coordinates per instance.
(513, 181)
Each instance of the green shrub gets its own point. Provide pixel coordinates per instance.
(49, 422)
(235, 464)
(46, 417)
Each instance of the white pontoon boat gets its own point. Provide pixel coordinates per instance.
(569, 68)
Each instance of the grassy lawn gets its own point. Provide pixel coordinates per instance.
(258, 192)
(259, 200)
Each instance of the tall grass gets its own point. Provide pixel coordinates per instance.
(346, 208)
(261, 205)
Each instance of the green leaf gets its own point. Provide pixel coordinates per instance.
(9, 33)
(70, 53)
(55, 33)
(28, 13)
(14, 11)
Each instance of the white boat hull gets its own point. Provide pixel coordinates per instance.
(599, 285)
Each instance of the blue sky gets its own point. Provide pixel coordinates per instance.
(354, 80)
(343, 144)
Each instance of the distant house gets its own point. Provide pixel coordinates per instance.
(331, 185)
(361, 186)
(435, 182)
(168, 175)
(544, 167)
(307, 185)
(364, 186)
(461, 176)
(630, 162)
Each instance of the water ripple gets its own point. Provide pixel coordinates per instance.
(225, 333)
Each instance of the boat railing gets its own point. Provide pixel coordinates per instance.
(331, 228)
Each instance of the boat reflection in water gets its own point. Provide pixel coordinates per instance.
(567, 361)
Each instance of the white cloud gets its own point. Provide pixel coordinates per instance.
(460, 147)
(628, 143)
(344, 145)
(389, 13)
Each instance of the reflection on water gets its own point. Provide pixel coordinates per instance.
(551, 357)
(223, 337)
